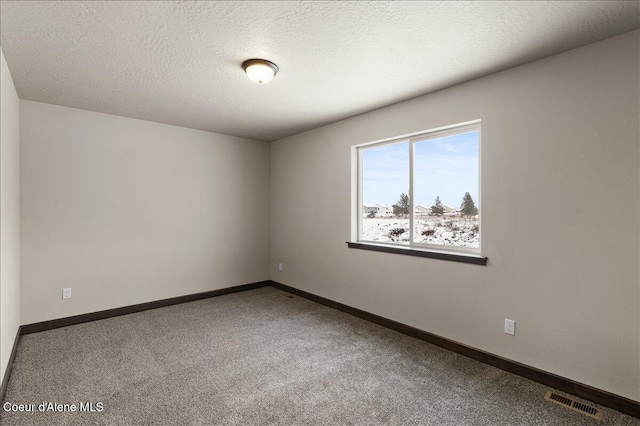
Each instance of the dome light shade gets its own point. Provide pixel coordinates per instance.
(260, 70)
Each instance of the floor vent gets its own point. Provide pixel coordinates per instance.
(585, 409)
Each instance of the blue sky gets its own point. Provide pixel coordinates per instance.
(445, 167)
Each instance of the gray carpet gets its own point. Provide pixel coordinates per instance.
(261, 357)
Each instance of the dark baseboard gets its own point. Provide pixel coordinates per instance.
(7, 372)
(604, 398)
(109, 313)
(598, 396)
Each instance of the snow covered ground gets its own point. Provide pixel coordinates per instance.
(454, 231)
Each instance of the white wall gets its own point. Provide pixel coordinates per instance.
(9, 215)
(126, 211)
(560, 192)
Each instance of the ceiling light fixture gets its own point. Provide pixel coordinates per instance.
(260, 70)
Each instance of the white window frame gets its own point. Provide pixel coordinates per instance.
(414, 138)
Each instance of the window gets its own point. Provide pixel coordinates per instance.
(422, 191)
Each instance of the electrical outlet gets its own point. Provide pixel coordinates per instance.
(280, 267)
(510, 327)
(66, 293)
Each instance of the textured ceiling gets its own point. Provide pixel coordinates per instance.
(179, 62)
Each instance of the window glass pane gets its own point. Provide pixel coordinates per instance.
(446, 191)
(385, 189)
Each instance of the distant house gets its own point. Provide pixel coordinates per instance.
(422, 210)
(379, 210)
(384, 210)
(368, 208)
(450, 211)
